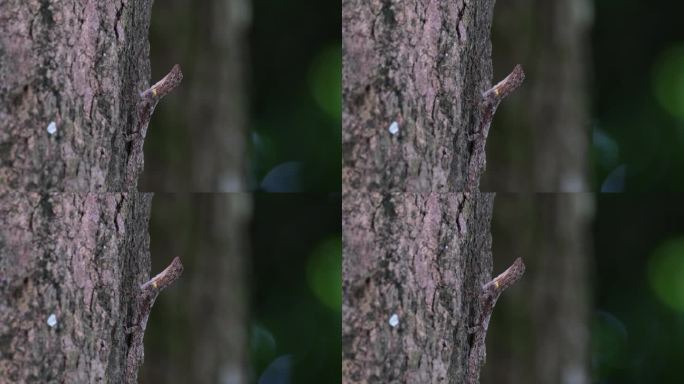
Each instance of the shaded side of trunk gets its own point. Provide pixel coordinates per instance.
(413, 269)
(70, 269)
(413, 75)
(71, 73)
(197, 140)
(541, 335)
(212, 294)
(540, 139)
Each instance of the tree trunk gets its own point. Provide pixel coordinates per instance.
(414, 263)
(540, 139)
(70, 270)
(212, 293)
(72, 264)
(71, 75)
(413, 79)
(197, 141)
(413, 269)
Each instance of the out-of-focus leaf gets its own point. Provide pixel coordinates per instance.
(668, 80)
(325, 80)
(324, 273)
(666, 273)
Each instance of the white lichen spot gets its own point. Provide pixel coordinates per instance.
(52, 320)
(394, 320)
(394, 128)
(52, 128)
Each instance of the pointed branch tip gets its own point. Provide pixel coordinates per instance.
(507, 277)
(164, 86)
(165, 277)
(506, 86)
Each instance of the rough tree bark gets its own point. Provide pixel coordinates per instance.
(212, 292)
(197, 141)
(72, 265)
(413, 269)
(70, 78)
(416, 254)
(413, 77)
(70, 270)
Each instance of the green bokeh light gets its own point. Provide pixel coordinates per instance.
(325, 80)
(668, 80)
(666, 273)
(324, 273)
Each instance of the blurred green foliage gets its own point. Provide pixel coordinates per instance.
(325, 81)
(293, 62)
(638, 327)
(296, 286)
(324, 273)
(638, 93)
(666, 273)
(668, 80)
(296, 88)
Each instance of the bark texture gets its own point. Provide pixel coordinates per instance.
(197, 140)
(423, 258)
(423, 66)
(540, 139)
(212, 293)
(70, 269)
(81, 66)
(541, 333)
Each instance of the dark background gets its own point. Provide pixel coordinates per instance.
(296, 61)
(635, 99)
(266, 281)
(262, 269)
(638, 319)
(638, 125)
(278, 95)
(637, 94)
(296, 286)
(632, 96)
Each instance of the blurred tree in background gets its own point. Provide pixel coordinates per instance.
(259, 107)
(636, 132)
(540, 333)
(197, 141)
(540, 143)
(258, 302)
(199, 331)
(636, 92)
(539, 140)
